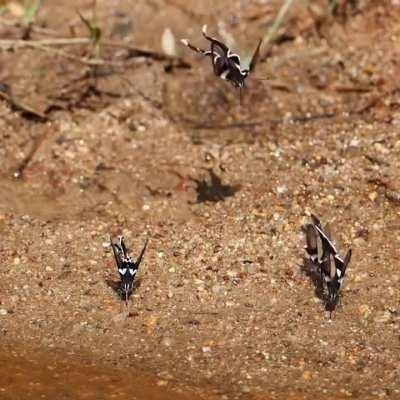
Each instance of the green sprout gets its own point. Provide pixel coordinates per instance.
(333, 5)
(94, 33)
(31, 10)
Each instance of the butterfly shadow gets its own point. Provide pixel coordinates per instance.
(330, 305)
(310, 270)
(115, 285)
(212, 189)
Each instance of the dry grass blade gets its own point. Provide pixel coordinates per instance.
(277, 23)
(10, 44)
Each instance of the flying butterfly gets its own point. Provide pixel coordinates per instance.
(226, 64)
(323, 253)
(127, 267)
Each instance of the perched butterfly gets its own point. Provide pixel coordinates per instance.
(127, 268)
(226, 64)
(322, 251)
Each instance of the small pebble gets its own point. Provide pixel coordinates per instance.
(372, 196)
(14, 298)
(245, 389)
(281, 189)
(167, 341)
(252, 269)
(364, 310)
(307, 375)
(360, 277)
(383, 317)
(117, 319)
(359, 241)
(216, 289)
(3, 311)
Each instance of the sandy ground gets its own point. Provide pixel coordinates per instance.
(225, 305)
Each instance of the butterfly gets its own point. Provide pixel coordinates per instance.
(127, 267)
(226, 64)
(323, 253)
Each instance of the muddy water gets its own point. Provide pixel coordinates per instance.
(46, 376)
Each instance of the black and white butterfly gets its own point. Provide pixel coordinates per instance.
(226, 64)
(127, 267)
(322, 251)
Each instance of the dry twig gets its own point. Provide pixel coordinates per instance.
(48, 44)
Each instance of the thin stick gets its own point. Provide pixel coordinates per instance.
(147, 53)
(255, 124)
(8, 44)
(43, 44)
(24, 164)
(204, 312)
(86, 61)
(33, 28)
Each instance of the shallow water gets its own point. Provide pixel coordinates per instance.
(47, 376)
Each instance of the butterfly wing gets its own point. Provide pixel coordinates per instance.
(139, 260)
(328, 244)
(312, 244)
(116, 252)
(331, 280)
(316, 221)
(255, 57)
(123, 247)
(217, 44)
(346, 262)
(332, 267)
(234, 58)
(325, 263)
